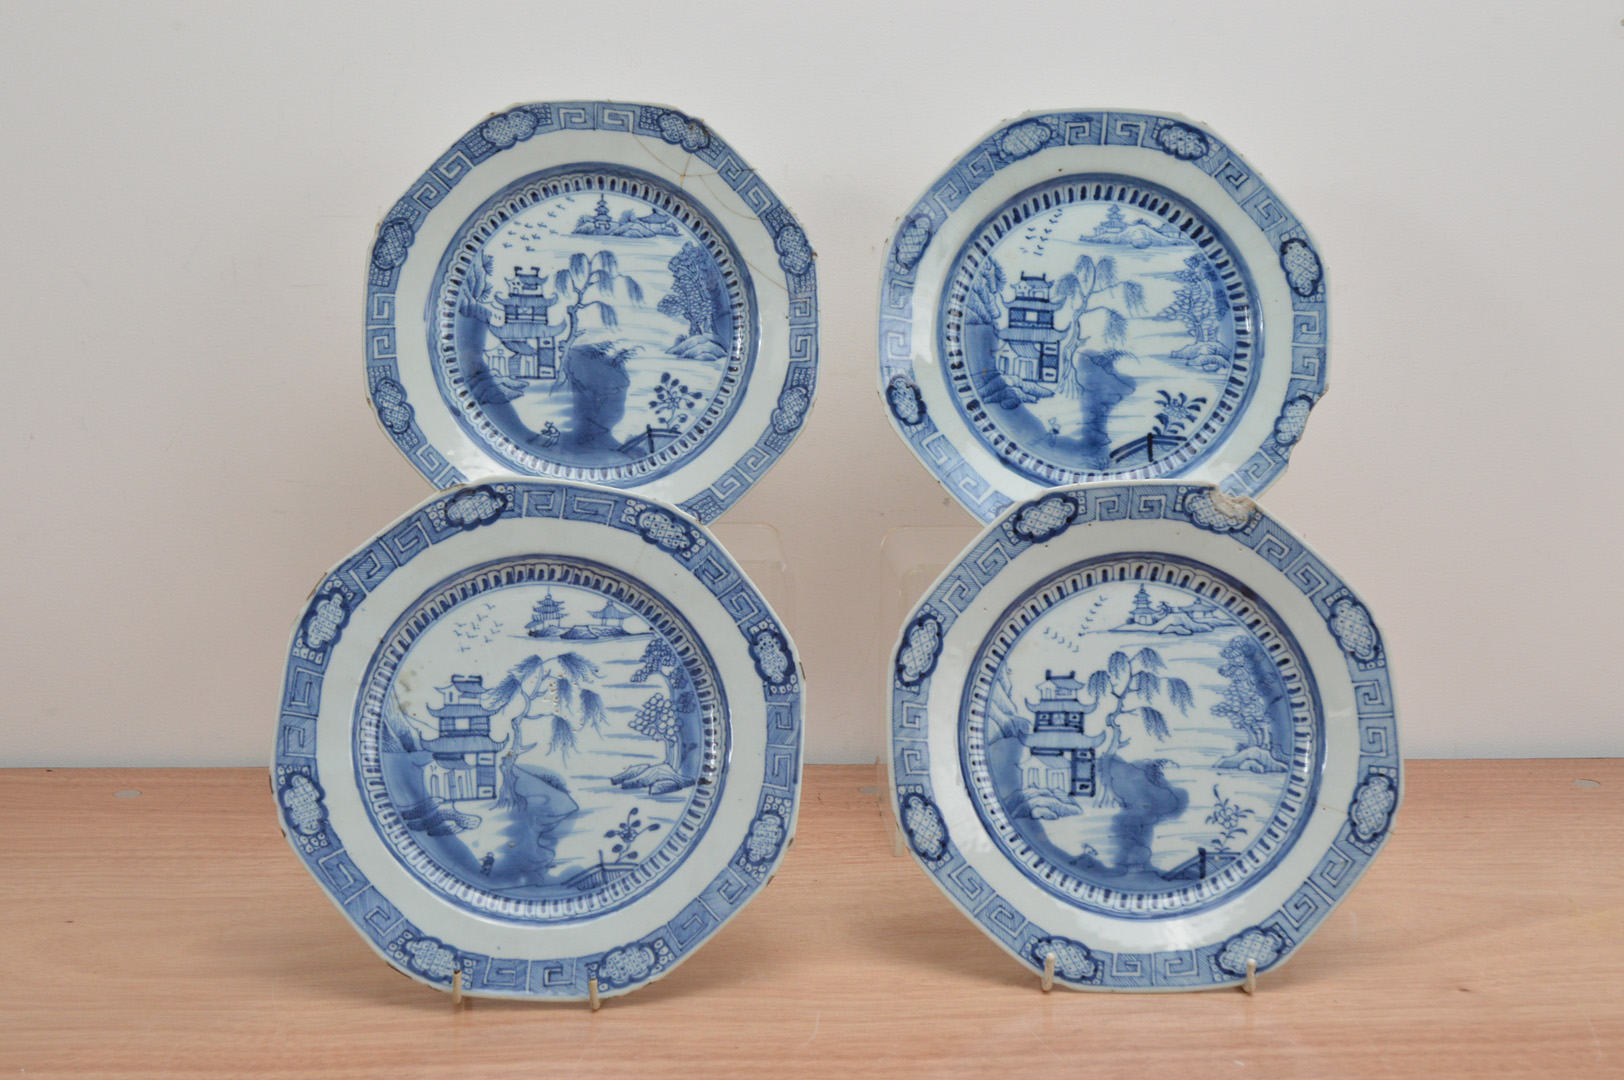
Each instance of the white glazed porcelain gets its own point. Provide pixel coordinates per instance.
(1145, 729)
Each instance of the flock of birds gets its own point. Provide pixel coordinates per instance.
(1037, 237)
(540, 227)
(482, 629)
(1067, 640)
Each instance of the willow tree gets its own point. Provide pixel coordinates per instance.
(1088, 281)
(1132, 685)
(547, 689)
(597, 276)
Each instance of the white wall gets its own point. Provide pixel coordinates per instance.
(190, 190)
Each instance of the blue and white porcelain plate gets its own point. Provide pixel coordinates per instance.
(539, 733)
(593, 291)
(1100, 296)
(1144, 728)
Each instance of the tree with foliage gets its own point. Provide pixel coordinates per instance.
(600, 275)
(1077, 291)
(1196, 302)
(660, 718)
(695, 291)
(547, 688)
(473, 301)
(985, 304)
(1132, 685)
(1246, 703)
(1243, 704)
(657, 719)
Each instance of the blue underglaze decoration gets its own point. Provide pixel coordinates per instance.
(1181, 140)
(1210, 509)
(389, 398)
(303, 804)
(921, 649)
(1302, 267)
(1097, 346)
(771, 654)
(1036, 740)
(427, 956)
(1354, 631)
(595, 321)
(1137, 735)
(607, 636)
(907, 404)
(793, 402)
(922, 823)
(565, 762)
(666, 530)
(1258, 944)
(1371, 811)
(1293, 418)
(767, 833)
(682, 130)
(911, 240)
(476, 506)
(633, 964)
(329, 614)
(1024, 139)
(1044, 519)
(1072, 960)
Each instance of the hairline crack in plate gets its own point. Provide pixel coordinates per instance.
(593, 291)
(1143, 728)
(539, 733)
(1098, 295)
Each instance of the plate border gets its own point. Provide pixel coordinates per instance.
(391, 247)
(1186, 143)
(1366, 824)
(296, 781)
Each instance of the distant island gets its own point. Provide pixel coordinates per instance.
(600, 223)
(1196, 617)
(1140, 234)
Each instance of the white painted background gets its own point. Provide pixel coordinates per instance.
(190, 190)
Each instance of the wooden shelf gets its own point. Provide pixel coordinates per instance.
(174, 934)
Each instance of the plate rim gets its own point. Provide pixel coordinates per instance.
(444, 516)
(1275, 936)
(792, 299)
(987, 494)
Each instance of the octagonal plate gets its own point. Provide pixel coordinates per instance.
(1097, 296)
(539, 733)
(1145, 729)
(593, 291)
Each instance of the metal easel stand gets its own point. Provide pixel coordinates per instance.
(460, 1001)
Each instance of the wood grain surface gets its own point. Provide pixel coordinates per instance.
(173, 933)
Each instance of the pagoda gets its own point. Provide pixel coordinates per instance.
(1029, 345)
(525, 330)
(1058, 729)
(597, 223)
(464, 764)
(610, 619)
(546, 618)
(1145, 613)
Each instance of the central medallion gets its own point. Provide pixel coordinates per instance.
(1141, 735)
(1095, 328)
(541, 738)
(592, 324)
